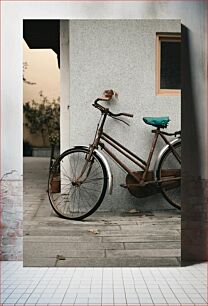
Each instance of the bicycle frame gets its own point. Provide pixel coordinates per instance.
(83, 173)
(144, 165)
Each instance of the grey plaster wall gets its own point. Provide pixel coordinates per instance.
(119, 54)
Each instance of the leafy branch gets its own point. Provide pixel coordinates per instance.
(25, 66)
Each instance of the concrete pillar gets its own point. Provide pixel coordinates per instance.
(194, 226)
(64, 73)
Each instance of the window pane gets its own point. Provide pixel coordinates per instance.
(170, 69)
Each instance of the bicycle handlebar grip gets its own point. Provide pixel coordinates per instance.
(98, 106)
(128, 115)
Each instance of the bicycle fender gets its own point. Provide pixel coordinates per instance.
(162, 152)
(106, 164)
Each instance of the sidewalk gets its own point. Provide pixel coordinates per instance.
(102, 240)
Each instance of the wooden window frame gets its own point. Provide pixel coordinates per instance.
(173, 37)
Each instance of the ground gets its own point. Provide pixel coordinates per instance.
(104, 239)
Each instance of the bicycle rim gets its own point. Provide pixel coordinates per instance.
(74, 201)
(170, 167)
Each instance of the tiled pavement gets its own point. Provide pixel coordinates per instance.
(103, 286)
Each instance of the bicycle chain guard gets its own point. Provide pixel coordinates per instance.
(139, 191)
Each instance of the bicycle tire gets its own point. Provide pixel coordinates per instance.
(169, 164)
(67, 201)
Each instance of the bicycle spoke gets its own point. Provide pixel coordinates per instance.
(92, 180)
(88, 193)
(92, 189)
(63, 168)
(77, 163)
(73, 173)
(94, 169)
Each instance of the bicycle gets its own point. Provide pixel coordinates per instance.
(82, 174)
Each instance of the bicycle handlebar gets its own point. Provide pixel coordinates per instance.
(106, 110)
(121, 114)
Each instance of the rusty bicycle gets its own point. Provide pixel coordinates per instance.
(80, 176)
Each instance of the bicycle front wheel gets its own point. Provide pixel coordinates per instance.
(169, 176)
(71, 196)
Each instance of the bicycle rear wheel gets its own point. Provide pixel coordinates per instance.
(69, 199)
(170, 168)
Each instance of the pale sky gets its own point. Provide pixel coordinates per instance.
(43, 70)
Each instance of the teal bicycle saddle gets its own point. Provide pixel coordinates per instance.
(160, 122)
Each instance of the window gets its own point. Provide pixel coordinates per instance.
(168, 67)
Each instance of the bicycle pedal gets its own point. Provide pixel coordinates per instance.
(123, 185)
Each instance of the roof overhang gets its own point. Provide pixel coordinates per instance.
(42, 34)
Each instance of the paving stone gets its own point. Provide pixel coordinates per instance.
(142, 238)
(152, 245)
(143, 253)
(65, 239)
(154, 226)
(63, 251)
(110, 262)
(50, 262)
(52, 246)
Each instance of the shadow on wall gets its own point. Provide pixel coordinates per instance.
(193, 231)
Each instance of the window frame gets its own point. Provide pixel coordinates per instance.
(161, 37)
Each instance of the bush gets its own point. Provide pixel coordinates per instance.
(43, 118)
